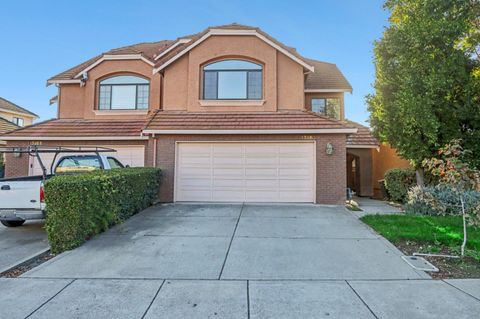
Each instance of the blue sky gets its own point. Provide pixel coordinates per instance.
(42, 38)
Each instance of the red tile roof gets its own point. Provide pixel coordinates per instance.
(233, 26)
(363, 136)
(326, 76)
(147, 49)
(169, 120)
(80, 128)
(6, 126)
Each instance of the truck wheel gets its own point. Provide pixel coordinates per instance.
(12, 223)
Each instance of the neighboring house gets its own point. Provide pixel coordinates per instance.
(229, 114)
(6, 126)
(16, 114)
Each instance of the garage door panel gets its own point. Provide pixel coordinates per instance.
(251, 172)
(227, 161)
(224, 172)
(261, 183)
(298, 172)
(195, 194)
(295, 196)
(260, 172)
(217, 182)
(261, 196)
(268, 161)
(260, 149)
(187, 160)
(195, 182)
(227, 149)
(195, 171)
(292, 183)
(297, 160)
(228, 195)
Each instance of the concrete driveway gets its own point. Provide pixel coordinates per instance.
(236, 261)
(18, 244)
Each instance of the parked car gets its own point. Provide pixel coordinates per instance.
(23, 198)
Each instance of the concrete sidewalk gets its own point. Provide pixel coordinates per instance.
(20, 243)
(113, 298)
(373, 206)
(236, 261)
(249, 242)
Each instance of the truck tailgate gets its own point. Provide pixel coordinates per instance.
(20, 194)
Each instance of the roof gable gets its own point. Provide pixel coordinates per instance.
(233, 29)
(7, 106)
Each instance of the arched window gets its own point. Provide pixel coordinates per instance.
(232, 80)
(123, 92)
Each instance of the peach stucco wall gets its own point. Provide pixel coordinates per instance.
(80, 102)
(183, 77)
(383, 160)
(290, 81)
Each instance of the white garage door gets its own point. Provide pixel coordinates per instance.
(128, 155)
(245, 172)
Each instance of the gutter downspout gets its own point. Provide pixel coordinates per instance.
(154, 151)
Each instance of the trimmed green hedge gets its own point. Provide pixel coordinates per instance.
(83, 205)
(398, 181)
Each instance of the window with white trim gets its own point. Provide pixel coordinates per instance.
(123, 92)
(19, 121)
(233, 80)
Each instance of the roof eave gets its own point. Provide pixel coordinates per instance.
(327, 90)
(253, 131)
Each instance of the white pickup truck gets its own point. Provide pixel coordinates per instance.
(23, 198)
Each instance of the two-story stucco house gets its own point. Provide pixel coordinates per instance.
(230, 114)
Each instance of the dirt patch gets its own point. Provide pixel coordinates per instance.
(26, 266)
(466, 267)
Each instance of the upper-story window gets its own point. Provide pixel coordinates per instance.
(19, 121)
(232, 80)
(123, 92)
(327, 106)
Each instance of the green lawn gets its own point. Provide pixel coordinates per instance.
(433, 230)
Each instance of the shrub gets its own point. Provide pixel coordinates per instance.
(398, 181)
(83, 205)
(439, 200)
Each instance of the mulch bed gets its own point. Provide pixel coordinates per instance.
(466, 267)
(26, 266)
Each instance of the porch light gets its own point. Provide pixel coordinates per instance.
(329, 149)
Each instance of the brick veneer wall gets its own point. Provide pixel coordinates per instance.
(331, 169)
(18, 166)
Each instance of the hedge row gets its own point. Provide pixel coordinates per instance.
(398, 181)
(83, 205)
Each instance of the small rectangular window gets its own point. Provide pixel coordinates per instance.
(318, 106)
(18, 121)
(333, 108)
(326, 106)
